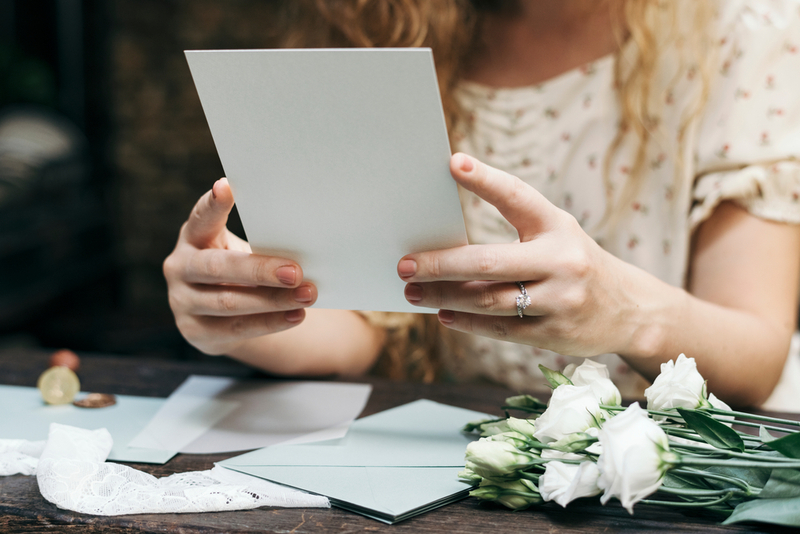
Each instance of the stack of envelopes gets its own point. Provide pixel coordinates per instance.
(390, 466)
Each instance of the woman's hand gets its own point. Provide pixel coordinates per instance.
(737, 320)
(222, 294)
(579, 305)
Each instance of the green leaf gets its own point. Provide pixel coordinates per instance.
(673, 480)
(774, 511)
(712, 431)
(524, 402)
(787, 445)
(783, 483)
(757, 477)
(472, 426)
(554, 377)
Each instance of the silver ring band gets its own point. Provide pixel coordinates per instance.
(523, 300)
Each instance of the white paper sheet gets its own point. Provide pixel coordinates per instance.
(187, 414)
(208, 414)
(338, 159)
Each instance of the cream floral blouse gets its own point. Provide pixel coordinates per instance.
(745, 146)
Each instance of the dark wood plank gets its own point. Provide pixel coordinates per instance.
(22, 508)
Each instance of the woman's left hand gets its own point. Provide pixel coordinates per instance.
(580, 303)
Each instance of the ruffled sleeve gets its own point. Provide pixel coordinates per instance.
(748, 141)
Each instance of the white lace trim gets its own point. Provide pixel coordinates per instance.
(19, 456)
(72, 474)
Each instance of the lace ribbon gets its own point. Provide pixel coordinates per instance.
(72, 473)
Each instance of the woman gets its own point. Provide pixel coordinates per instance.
(652, 150)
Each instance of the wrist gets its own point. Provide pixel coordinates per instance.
(649, 322)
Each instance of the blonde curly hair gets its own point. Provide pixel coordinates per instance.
(645, 30)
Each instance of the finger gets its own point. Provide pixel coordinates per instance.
(222, 331)
(485, 298)
(228, 301)
(514, 329)
(210, 215)
(219, 266)
(521, 205)
(505, 262)
(234, 242)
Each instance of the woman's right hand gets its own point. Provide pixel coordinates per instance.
(220, 293)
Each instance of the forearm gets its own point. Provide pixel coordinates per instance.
(326, 342)
(740, 352)
(739, 312)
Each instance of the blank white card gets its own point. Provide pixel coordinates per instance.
(338, 159)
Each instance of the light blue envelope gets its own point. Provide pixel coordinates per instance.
(23, 415)
(390, 466)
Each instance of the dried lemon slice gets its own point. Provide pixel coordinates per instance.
(58, 385)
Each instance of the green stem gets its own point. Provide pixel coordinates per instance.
(684, 492)
(788, 422)
(688, 433)
(695, 504)
(520, 493)
(535, 444)
(675, 415)
(730, 454)
(522, 409)
(529, 476)
(542, 461)
(708, 462)
(682, 433)
(757, 425)
(715, 476)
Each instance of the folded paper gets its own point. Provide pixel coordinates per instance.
(390, 466)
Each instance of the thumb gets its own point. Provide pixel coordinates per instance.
(210, 215)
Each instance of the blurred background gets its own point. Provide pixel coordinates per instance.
(104, 149)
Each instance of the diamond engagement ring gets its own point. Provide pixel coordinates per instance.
(523, 300)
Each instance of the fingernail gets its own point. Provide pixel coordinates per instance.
(287, 274)
(407, 268)
(413, 292)
(294, 316)
(446, 316)
(466, 163)
(303, 294)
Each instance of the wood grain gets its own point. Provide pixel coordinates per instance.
(22, 508)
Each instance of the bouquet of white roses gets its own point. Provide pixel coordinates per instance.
(683, 451)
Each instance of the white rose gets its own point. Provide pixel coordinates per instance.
(631, 464)
(577, 442)
(572, 409)
(514, 494)
(564, 483)
(497, 427)
(718, 404)
(594, 375)
(518, 440)
(678, 386)
(524, 426)
(497, 459)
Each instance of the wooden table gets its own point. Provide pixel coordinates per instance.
(22, 508)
